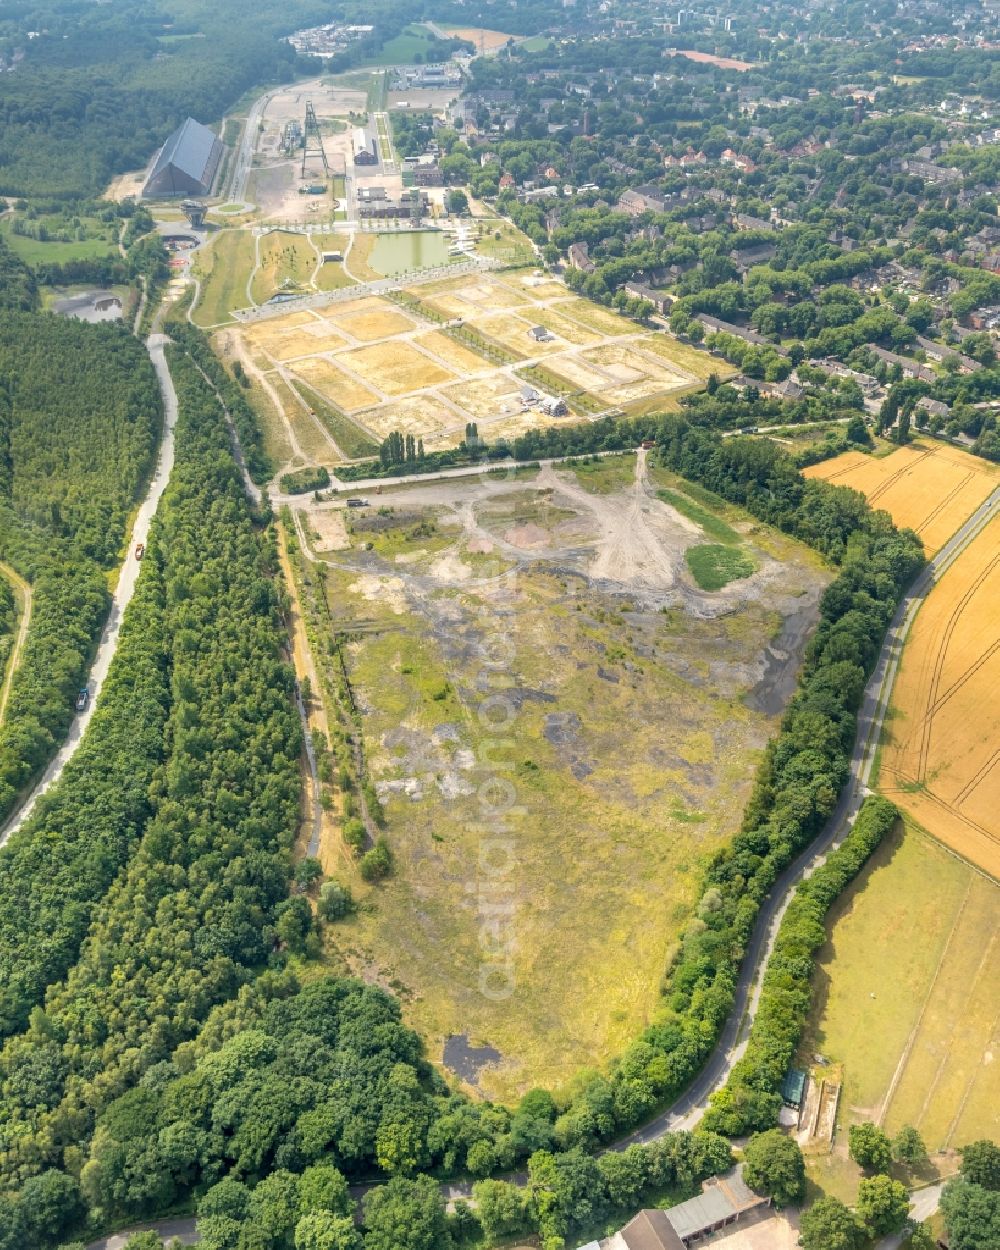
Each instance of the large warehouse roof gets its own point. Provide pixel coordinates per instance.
(187, 162)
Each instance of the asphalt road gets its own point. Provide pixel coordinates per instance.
(127, 578)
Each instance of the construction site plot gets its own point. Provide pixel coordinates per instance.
(941, 747)
(366, 355)
(927, 487)
(535, 635)
(334, 384)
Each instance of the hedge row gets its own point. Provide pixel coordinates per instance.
(751, 1099)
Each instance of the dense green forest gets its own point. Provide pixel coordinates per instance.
(80, 415)
(203, 901)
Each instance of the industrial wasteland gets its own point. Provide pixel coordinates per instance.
(499, 625)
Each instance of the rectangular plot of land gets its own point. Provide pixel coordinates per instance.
(486, 398)
(578, 374)
(396, 368)
(423, 416)
(454, 354)
(682, 358)
(304, 343)
(512, 330)
(376, 324)
(520, 423)
(567, 329)
(339, 387)
(596, 318)
(951, 1043)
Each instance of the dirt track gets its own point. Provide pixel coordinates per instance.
(21, 588)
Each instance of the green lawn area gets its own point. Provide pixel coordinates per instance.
(903, 994)
(287, 262)
(56, 251)
(713, 565)
(536, 43)
(402, 49)
(223, 268)
(713, 525)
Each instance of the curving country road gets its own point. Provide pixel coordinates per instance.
(686, 1111)
(127, 578)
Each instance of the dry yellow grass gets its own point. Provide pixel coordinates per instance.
(480, 36)
(303, 342)
(941, 756)
(915, 1028)
(452, 353)
(423, 416)
(376, 324)
(928, 487)
(485, 398)
(396, 367)
(344, 391)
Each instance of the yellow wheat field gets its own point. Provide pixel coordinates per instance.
(928, 487)
(941, 752)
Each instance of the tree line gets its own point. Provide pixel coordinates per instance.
(80, 414)
(201, 905)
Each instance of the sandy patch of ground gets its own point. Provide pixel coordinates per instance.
(770, 1230)
(486, 398)
(390, 592)
(329, 533)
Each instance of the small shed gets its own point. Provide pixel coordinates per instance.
(793, 1087)
(540, 334)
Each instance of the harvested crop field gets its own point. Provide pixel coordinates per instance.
(929, 487)
(906, 995)
(552, 614)
(941, 749)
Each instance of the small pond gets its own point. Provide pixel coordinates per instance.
(404, 250)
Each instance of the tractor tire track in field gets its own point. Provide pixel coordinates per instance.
(944, 502)
(24, 589)
(939, 662)
(975, 781)
(904, 1058)
(893, 478)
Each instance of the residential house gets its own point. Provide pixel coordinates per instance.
(714, 325)
(938, 351)
(758, 254)
(660, 300)
(579, 257)
(910, 368)
(743, 221)
(933, 407)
